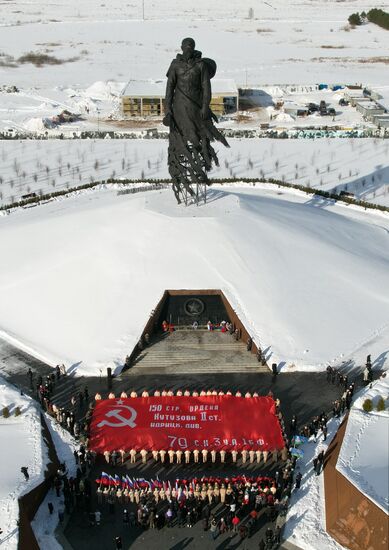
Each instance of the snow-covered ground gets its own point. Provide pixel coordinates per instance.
(307, 277)
(44, 523)
(364, 456)
(31, 110)
(21, 445)
(360, 166)
(305, 521)
(282, 42)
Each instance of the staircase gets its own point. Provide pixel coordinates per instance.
(195, 352)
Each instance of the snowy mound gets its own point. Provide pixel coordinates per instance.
(364, 456)
(308, 278)
(102, 90)
(219, 204)
(35, 125)
(284, 117)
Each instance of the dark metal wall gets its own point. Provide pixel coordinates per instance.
(186, 309)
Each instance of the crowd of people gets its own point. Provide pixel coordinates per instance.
(80, 405)
(76, 491)
(222, 505)
(185, 393)
(198, 455)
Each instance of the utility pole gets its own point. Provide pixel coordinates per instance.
(143, 10)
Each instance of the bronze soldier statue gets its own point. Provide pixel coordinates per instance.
(190, 119)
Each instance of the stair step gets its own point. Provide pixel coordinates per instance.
(196, 352)
(193, 370)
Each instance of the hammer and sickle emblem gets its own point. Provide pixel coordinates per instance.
(123, 421)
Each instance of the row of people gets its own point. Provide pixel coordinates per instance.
(179, 456)
(180, 393)
(262, 492)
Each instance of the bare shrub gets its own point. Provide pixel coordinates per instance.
(40, 59)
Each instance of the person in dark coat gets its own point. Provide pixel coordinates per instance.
(329, 373)
(30, 375)
(118, 543)
(293, 425)
(320, 458)
(126, 518)
(298, 480)
(269, 534)
(277, 535)
(324, 430)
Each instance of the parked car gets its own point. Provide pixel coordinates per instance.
(312, 108)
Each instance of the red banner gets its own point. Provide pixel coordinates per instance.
(210, 422)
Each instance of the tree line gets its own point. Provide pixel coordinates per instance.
(377, 16)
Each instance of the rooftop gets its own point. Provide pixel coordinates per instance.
(157, 88)
(382, 96)
(371, 105)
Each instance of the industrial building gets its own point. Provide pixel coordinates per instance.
(145, 98)
(354, 96)
(368, 109)
(382, 121)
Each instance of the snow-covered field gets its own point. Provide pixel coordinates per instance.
(285, 42)
(364, 456)
(308, 277)
(282, 42)
(21, 445)
(360, 166)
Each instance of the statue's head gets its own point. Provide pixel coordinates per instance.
(188, 47)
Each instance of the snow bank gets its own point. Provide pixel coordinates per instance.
(102, 90)
(44, 523)
(284, 117)
(307, 278)
(22, 446)
(35, 125)
(364, 456)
